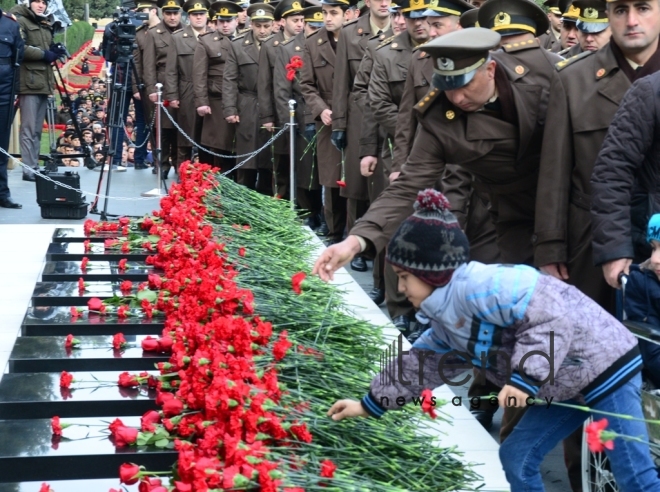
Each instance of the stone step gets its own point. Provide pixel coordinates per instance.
(76, 252)
(67, 293)
(95, 353)
(96, 271)
(29, 450)
(57, 321)
(39, 396)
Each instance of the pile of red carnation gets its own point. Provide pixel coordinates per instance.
(220, 412)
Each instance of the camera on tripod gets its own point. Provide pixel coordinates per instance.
(122, 40)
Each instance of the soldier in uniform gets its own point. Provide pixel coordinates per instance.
(308, 190)
(316, 86)
(240, 98)
(12, 50)
(143, 106)
(242, 19)
(211, 55)
(289, 13)
(346, 115)
(179, 76)
(469, 19)
(568, 36)
(154, 59)
(550, 40)
(592, 25)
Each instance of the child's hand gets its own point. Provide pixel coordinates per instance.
(510, 396)
(346, 409)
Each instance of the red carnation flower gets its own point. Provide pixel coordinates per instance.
(328, 469)
(122, 264)
(282, 346)
(118, 341)
(56, 426)
(341, 183)
(126, 286)
(127, 380)
(428, 403)
(95, 304)
(296, 282)
(83, 263)
(129, 473)
(66, 379)
(598, 439)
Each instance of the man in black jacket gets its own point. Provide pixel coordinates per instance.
(626, 181)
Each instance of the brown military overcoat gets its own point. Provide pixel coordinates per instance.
(346, 114)
(503, 156)
(211, 54)
(179, 83)
(582, 104)
(267, 111)
(240, 98)
(550, 41)
(316, 86)
(307, 175)
(138, 54)
(154, 60)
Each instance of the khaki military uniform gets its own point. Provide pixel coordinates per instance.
(267, 111)
(211, 54)
(582, 105)
(240, 98)
(550, 41)
(317, 78)
(500, 147)
(307, 176)
(154, 59)
(179, 87)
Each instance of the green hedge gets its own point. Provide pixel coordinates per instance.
(76, 35)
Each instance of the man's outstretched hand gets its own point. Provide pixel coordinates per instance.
(335, 257)
(344, 409)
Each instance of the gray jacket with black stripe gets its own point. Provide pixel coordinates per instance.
(520, 328)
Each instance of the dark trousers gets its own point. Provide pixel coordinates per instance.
(141, 131)
(168, 142)
(182, 154)
(309, 200)
(6, 113)
(334, 210)
(397, 303)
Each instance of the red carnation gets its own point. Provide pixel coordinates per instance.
(241, 252)
(598, 439)
(341, 183)
(296, 282)
(172, 407)
(126, 286)
(129, 473)
(81, 285)
(281, 346)
(70, 342)
(83, 263)
(56, 426)
(65, 380)
(122, 264)
(428, 403)
(45, 488)
(125, 436)
(118, 341)
(122, 311)
(127, 380)
(328, 469)
(150, 344)
(95, 304)
(87, 244)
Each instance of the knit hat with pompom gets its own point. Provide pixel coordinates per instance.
(430, 243)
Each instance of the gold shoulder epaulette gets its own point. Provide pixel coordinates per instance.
(420, 46)
(569, 61)
(268, 38)
(523, 45)
(350, 22)
(287, 41)
(141, 27)
(427, 101)
(177, 31)
(385, 43)
(240, 36)
(207, 33)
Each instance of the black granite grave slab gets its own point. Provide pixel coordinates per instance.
(39, 396)
(99, 485)
(95, 353)
(57, 321)
(28, 450)
(76, 252)
(77, 235)
(67, 293)
(96, 271)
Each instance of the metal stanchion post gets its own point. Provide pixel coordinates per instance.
(292, 153)
(158, 191)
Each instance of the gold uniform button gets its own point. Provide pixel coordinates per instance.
(600, 72)
(520, 70)
(215, 38)
(360, 31)
(297, 48)
(421, 103)
(394, 45)
(320, 41)
(422, 54)
(276, 43)
(427, 98)
(158, 31)
(450, 115)
(247, 41)
(382, 36)
(516, 45)
(185, 34)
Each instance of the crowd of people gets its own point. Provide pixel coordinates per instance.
(502, 105)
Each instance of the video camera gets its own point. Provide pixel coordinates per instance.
(122, 33)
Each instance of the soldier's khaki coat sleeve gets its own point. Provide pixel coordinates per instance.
(149, 64)
(230, 83)
(172, 74)
(342, 83)
(265, 87)
(382, 106)
(308, 86)
(406, 125)
(553, 193)
(200, 75)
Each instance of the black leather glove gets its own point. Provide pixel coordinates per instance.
(59, 49)
(50, 56)
(310, 131)
(338, 139)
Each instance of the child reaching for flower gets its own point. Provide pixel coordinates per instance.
(532, 335)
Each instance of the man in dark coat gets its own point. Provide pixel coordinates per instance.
(240, 101)
(11, 55)
(179, 77)
(317, 77)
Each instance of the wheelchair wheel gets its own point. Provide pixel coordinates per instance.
(596, 474)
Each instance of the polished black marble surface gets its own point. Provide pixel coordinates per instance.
(94, 353)
(96, 394)
(56, 320)
(76, 251)
(99, 485)
(28, 450)
(76, 234)
(67, 293)
(70, 271)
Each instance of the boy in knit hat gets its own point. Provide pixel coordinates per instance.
(532, 335)
(642, 299)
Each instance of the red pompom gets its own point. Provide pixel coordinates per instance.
(431, 199)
